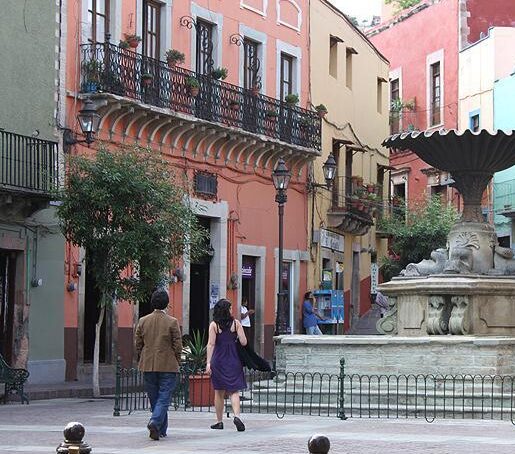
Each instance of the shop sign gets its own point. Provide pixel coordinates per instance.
(331, 240)
(246, 271)
(374, 277)
(214, 295)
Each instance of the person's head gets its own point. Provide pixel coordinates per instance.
(222, 313)
(159, 299)
(244, 302)
(308, 296)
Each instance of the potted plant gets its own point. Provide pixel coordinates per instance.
(133, 40)
(146, 78)
(123, 44)
(271, 113)
(92, 70)
(255, 89)
(322, 110)
(219, 73)
(174, 57)
(201, 391)
(233, 104)
(371, 187)
(193, 86)
(291, 99)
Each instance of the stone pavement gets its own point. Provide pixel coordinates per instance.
(37, 428)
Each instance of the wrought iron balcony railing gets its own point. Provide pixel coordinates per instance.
(110, 69)
(28, 164)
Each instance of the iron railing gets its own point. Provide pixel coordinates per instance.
(431, 396)
(28, 164)
(108, 68)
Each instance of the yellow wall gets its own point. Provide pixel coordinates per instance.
(352, 115)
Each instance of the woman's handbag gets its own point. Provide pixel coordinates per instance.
(250, 359)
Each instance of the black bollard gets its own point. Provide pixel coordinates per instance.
(318, 444)
(73, 444)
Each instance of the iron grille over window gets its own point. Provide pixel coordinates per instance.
(206, 184)
(252, 64)
(204, 47)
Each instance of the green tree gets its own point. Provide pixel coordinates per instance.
(403, 4)
(415, 233)
(126, 209)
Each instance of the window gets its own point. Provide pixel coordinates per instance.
(251, 63)
(98, 20)
(348, 66)
(204, 47)
(435, 117)
(379, 94)
(395, 115)
(333, 55)
(205, 184)
(151, 32)
(286, 75)
(474, 122)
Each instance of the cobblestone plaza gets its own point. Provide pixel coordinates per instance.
(37, 428)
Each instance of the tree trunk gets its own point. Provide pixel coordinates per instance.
(96, 353)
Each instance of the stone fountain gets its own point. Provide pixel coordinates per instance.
(453, 313)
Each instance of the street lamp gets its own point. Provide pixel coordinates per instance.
(329, 169)
(89, 120)
(281, 178)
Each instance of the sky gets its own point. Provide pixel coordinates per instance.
(361, 9)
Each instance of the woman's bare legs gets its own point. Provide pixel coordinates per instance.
(235, 402)
(219, 404)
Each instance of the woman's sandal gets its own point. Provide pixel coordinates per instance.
(239, 424)
(219, 425)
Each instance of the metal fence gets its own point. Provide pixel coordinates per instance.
(111, 69)
(341, 395)
(28, 164)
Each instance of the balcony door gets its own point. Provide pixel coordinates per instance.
(204, 47)
(151, 29)
(97, 20)
(7, 292)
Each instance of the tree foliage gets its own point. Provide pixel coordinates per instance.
(134, 220)
(403, 4)
(415, 233)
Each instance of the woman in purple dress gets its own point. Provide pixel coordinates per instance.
(223, 362)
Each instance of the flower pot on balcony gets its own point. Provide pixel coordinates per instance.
(194, 91)
(146, 79)
(201, 392)
(133, 40)
(255, 90)
(234, 105)
(371, 188)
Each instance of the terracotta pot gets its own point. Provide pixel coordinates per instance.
(134, 43)
(194, 91)
(171, 63)
(201, 392)
(370, 188)
(322, 113)
(255, 91)
(235, 106)
(146, 81)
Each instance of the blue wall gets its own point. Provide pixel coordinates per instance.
(504, 118)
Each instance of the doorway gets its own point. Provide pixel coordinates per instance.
(7, 293)
(91, 313)
(288, 295)
(248, 293)
(199, 288)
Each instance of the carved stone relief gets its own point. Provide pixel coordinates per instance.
(388, 324)
(459, 322)
(438, 314)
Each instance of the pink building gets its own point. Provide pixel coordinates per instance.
(422, 44)
(225, 135)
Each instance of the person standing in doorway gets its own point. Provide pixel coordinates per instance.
(223, 363)
(310, 316)
(245, 314)
(158, 343)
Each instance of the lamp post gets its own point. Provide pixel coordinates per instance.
(281, 178)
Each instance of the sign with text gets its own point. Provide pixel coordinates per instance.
(374, 277)
(331, 240)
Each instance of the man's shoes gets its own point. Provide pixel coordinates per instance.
(162, 435)
(154, 431)
(239, 424)
(218, 425)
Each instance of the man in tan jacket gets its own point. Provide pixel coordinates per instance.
(158, 343)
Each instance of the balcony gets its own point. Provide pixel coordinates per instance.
(353, 206)
(29, 165)
(175, 91)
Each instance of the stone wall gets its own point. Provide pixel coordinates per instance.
(396, 355)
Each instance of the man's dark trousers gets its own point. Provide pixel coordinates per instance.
(159, 387)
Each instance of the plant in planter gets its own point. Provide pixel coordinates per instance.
(193, 86)
(255, 90)
(174, 57)
(304, 123)
(133, 40)
(322, 110)
(92, 70)
(235, 105)
(146, 78)
(219, 73)
(201, 392)
(123, 44)
(291, 99)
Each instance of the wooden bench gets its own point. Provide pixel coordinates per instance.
(14, 380)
